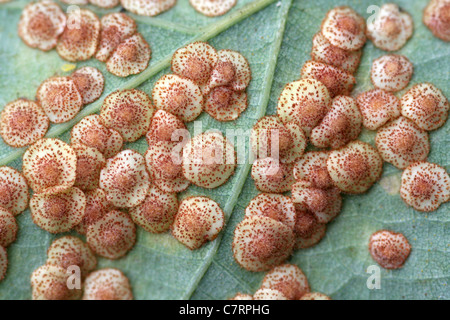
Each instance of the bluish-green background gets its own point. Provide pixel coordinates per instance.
(275, 36)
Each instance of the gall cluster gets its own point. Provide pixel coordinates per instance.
(283, 282)
(318, 108)
(102, 190)
(58, 99)
(81, 35)
(50, 281)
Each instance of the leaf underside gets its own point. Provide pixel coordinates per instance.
(275, 36)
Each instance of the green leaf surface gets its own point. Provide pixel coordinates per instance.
(276, 37)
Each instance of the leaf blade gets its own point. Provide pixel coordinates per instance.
(161, 268)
